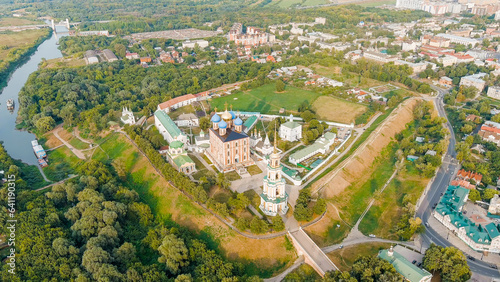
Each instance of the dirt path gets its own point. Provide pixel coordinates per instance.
(57, 183)
(76, 133)
(75, 151)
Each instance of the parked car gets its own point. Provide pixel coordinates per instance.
(372, 236)
(414, 261)
(471, 258)
(427, 224)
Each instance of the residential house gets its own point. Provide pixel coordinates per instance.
(469, 175)
(494, 92)
(474, 80)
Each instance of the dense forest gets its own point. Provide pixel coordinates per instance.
(89, 96)
(94, 228)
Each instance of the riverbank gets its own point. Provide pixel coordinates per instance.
(8, 67)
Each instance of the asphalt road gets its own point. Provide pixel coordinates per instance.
(443, 177)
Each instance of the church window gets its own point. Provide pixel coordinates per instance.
(228, 161)
(244, 142)
(236, 144)
(245, 157)
(228, 153)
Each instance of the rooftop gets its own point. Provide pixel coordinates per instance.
(410, 271)
(182, 160)
(168, 123)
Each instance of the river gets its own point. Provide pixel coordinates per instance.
(18, 142)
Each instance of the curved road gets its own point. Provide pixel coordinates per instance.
(443, 177)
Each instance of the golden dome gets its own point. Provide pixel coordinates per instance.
(227, 116)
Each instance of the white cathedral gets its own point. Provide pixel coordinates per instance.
(274, 198)
(127, 116)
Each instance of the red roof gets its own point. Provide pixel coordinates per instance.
(469, 175)
(174, 101)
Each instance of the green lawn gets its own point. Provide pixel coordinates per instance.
(232, 176)
(385, 213)
(197, 162)
(314, 2)
(77, 143)
(206, 159)
(263, 99)
(254, 169)
(345, 258)
(376, 3)
(353, 201)
(61, 163)
(333, 235)
(115, 146)
(288, 3)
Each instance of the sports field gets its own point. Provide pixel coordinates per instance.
(264, 100)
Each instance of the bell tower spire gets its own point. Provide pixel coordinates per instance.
(275, 139)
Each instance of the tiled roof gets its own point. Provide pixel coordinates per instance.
(176, 100)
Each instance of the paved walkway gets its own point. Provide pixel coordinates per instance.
(75, 151)
(250, 183)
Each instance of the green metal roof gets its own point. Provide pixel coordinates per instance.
(450, 205)
(291, 124)
(492, 230)
(410, 271)
(176, 144)
(314, 147)
(168, 123)
(250, 121)
(275, 201)
(182, 160)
